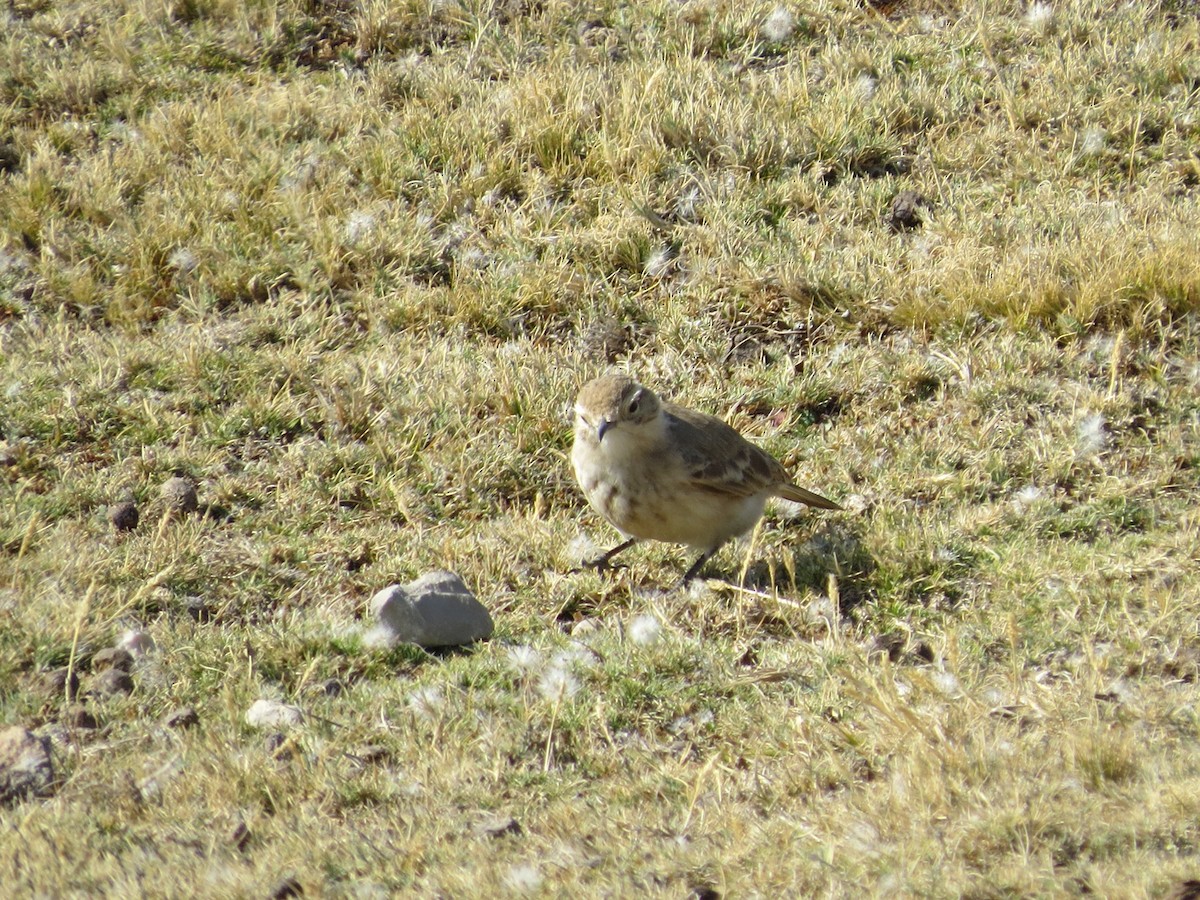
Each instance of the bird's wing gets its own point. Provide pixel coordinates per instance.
(717, 458)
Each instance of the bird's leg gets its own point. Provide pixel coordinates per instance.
(697, 566)
(603, 562)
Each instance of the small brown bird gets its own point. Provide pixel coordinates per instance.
(662, 472)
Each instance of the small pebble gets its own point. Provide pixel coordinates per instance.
(199, 609)
(123, 516)
(179, 494)
(606, 339)
(54, 683)
(905, 214)
(114, 681)
(273, 714)
(137, 643)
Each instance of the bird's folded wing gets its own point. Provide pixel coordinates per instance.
(718, 458)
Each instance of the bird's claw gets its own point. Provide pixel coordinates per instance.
(601, 565)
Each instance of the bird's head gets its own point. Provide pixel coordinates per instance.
(613, 401)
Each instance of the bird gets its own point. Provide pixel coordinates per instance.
(662, 472)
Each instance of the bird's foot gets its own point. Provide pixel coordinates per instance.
(600, 565)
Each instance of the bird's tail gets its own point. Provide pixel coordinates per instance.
(800, 495)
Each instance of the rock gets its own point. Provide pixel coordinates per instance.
(55, 683)
(905, 212)
(273, 714)
(605, 340)
(81, 717)
(199, 609)
(183, 717)
(123, 516)
(25, 766)
(179, 495)
(436, 610)
(136, 643)
(112, 658)
(113, 681)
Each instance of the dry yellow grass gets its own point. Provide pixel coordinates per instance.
(346, 264)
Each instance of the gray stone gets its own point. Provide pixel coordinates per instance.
(112, 682)
(436, 610)
(273, 714)
(136, 643)
(25, 766)
(123, 515)
(62, 682)
(179, 493)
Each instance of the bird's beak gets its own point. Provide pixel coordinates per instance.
(602, 428)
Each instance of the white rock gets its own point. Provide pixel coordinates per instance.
(273, 714)
(436, 610)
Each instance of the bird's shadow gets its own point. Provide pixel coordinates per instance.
(836, 552)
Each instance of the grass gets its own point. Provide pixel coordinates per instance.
(346, 264)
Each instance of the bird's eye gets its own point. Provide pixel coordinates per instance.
(634, 404)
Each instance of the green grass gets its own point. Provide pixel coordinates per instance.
(346, 264)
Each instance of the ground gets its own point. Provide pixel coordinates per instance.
(343, 267)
